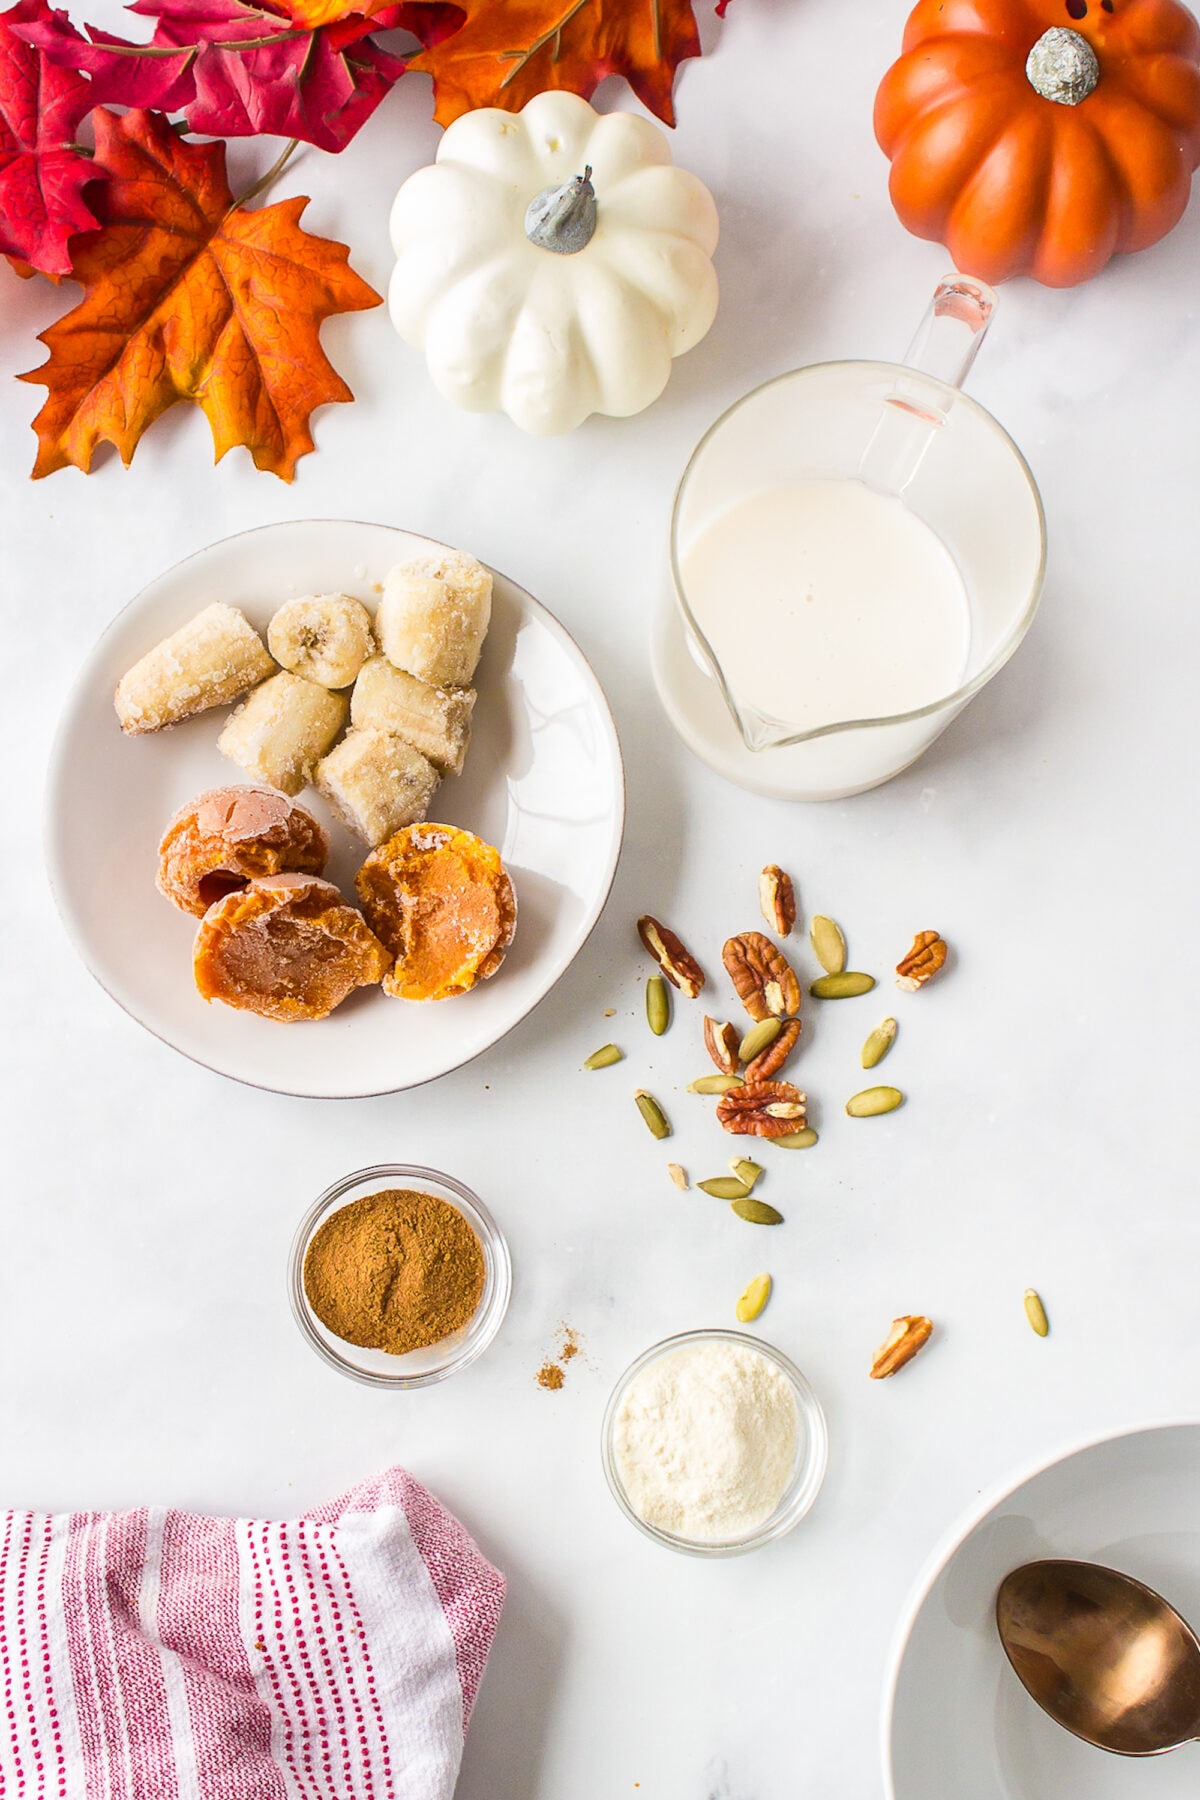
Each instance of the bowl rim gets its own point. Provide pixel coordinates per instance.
(801, 1493)
(967, 1522)
(493, 1302)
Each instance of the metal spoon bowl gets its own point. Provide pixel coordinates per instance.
(1103, 1654)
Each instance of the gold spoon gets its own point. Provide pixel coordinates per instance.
(1103, 1654)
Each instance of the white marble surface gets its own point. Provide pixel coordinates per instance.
(145, 1343)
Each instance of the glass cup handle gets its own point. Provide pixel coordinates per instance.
(946, 344)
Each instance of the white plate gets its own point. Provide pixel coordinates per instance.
(956, 1721)
(543, 782)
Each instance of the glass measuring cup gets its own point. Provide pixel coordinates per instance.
(905, 433)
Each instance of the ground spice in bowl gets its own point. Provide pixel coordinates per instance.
(394, 1271)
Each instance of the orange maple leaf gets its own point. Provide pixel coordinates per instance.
(311, 15)
(189, 296)
(504, 55)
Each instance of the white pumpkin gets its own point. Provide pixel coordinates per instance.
(586, 314)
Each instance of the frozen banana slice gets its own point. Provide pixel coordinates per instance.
(324, 637)
(377, 783)
(434, 616)
(283, 730)
(435, 721)
(211, 661)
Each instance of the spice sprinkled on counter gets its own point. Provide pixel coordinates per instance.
(553, 1373)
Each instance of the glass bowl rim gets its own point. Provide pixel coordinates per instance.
(493, 1302)
(968, 689)
(797, 1498)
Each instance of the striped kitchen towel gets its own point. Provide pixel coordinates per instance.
(157, 1655)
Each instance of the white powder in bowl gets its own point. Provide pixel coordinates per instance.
(704, 1440)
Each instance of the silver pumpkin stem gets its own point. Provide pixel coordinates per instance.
(563, 219)
(1062, 66)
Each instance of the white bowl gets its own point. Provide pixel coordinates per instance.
(957, 1724)
(543, 782)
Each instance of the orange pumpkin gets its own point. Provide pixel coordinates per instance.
(1040, 137)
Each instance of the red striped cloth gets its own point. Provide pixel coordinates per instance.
(157, 1655)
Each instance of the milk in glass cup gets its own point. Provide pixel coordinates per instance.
(856, 548)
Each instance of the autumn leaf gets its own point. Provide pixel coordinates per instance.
(311, 15)
(506, 53)
(121, 74)
(234, 70)
(27, 272)
(190, 296)
(42, 176)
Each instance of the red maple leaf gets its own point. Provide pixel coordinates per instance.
(234, 69)
(42, 177)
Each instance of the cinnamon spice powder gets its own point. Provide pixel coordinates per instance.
(553, 1374)
(394, 1271)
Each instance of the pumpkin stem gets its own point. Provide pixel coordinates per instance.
(563, 219)
(1062, 66)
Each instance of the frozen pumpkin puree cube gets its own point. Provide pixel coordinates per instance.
(287, 947)
(441, 901)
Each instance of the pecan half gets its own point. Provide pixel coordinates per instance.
(769, 1061)
(672, 956)
(762, 976)
(721, 1042)
(923, 961)
(766, 1109)
(907, 1336)
(777, 897)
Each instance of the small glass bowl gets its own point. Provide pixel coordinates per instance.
(808, 1472)
(418, 1368)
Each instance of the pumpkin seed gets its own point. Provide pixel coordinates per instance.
(658, 1005)
(724, 1187)
(872, 1101)
(604, 1058)
(1035, 1312)
(829, 946)
(757, 1212)
(758, 1038)
(746, 1171)
(753, 1298)
(678, 1174)
(652, 1112)
(879, 1043)
(844, 984)
(714, 1084)
(796, 1140)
